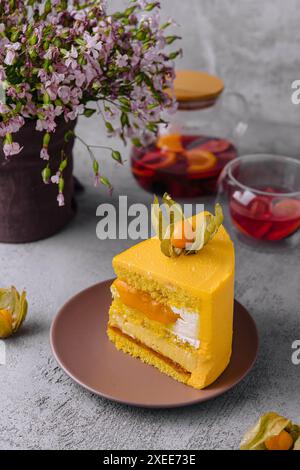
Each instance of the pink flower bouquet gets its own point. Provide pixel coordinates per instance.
(58, 56)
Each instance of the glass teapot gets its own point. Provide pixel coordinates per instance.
(190, 152)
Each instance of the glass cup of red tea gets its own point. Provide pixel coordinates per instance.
(261, 193)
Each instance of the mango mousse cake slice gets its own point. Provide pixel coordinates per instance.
(173, 301)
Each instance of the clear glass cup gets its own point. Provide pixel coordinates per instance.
(260, 195)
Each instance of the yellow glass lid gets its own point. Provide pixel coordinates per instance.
(192, 85)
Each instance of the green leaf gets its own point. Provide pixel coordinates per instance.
(80, 42)
(166, 247)
(170, 39)
(174, 55)
(141, 35)
(46, 174)
(46, 139)
(95, 167)
(105, 181)
(88, 112)
(48, 7)
(124, 119)
(46, 99)
(33, 40)
(118, 15)
(129, 11)
(63, 165)
(199, 231)
(109, 126)
(136, 142)
(174, 208)
(124, 100)
(166, 25)
(151, 6)
(297, 444)
(116, 156)
(61, 184)
(69, 135)
(152, 127)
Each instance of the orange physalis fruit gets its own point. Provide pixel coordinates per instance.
(283, 441)
(183, 234)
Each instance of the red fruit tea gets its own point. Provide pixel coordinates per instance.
(265, 217)
(174, 165)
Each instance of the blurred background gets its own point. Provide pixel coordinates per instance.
(253, 45)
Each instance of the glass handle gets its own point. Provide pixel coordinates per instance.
(224, 183)
(237, 111)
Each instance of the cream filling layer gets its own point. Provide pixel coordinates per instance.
(187, 327)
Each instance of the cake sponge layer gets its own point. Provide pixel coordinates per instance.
(135, 349)
(152, 335)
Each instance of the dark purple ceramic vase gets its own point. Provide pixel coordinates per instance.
(28, 207)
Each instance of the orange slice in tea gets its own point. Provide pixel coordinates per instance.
(200, 160)
(157, 160)
(216, 146)
(289, 208)
(170, 142)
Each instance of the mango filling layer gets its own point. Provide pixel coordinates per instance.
(144, 303)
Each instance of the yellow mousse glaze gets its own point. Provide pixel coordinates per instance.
(202, 283)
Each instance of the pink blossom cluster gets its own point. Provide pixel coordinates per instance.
(58, 56)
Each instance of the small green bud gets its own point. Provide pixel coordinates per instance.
(46, 99)
(105, 181)
(46, 174)
(32, 53)
(88, 112)
(63, 165)
(68, 135)
(151, 6)
(124, 119)
(109, 126)
(96, 167)
(33, 40)
(136, 142)
(170, 39)
(15, 36)
(141, 35)
(46, 139)
(48, 7)
(57, 42)
(61, 185)
(8, 139)
(116, 156)
(175, 54)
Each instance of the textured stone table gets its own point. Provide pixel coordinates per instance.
(41, 407)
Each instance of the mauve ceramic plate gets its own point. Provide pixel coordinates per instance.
(82, 349)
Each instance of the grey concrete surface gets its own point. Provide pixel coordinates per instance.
(42, 408)
(253, 45)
